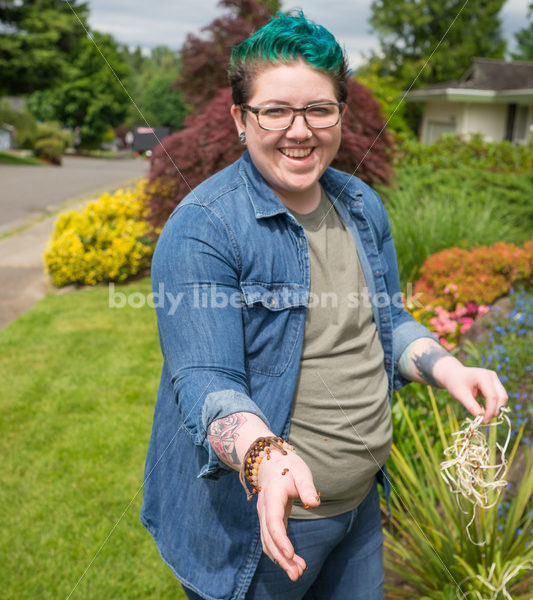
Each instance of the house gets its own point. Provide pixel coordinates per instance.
(493, 98)
(7, 133)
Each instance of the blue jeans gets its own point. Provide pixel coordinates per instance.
(344, 555)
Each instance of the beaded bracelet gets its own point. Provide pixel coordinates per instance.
(253, 457)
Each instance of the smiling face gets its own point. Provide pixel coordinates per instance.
(292, 161)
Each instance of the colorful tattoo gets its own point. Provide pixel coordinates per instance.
(222, 435)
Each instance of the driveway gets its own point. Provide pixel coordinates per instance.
(28, 192)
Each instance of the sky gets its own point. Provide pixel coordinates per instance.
(167, 22)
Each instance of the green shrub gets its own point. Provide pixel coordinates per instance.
(108, 240)
(51, 142)
(427, 545)
(453, 152)
(49, 149)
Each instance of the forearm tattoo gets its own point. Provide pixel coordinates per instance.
(419, 365)
(222, 434)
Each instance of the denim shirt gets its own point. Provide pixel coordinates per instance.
(231, 278)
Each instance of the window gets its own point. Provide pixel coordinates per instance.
(520, 131)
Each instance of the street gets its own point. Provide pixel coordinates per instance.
(28, 192)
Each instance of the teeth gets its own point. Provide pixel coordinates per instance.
(296, 153)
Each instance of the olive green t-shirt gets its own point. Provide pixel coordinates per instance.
(340, 422)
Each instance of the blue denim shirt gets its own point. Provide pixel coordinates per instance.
(231, 278)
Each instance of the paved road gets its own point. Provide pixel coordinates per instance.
(28, 192)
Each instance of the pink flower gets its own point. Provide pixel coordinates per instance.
(460, 311)
(471, 307)
(482, 309)
(447, 345)
(467, 322)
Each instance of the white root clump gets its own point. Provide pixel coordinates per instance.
(468, 471)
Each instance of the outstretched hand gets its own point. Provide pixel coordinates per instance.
(274, 503)
(425, 360)
(468, 384)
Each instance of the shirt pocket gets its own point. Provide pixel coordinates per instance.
(273, 321)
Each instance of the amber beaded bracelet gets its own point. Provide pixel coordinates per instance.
(252, 459)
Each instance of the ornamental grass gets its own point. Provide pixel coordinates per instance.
(427, 546)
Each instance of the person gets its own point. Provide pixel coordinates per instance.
(281, 318)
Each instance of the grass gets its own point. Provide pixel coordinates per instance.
(433, 209)
(77, 387)
(11, 158)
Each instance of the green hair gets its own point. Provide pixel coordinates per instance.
(285, 39)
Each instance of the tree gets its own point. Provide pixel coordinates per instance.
(209, 143)
(163, 105)
(151, 85)
(206, 58)
(410, 30)
(386, 91)
(89, 100)
(524, 40)
(37, 42)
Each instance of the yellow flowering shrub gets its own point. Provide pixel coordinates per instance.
(108, 240)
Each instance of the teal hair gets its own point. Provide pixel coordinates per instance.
(285, 39)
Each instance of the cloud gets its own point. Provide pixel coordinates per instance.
(167, 22)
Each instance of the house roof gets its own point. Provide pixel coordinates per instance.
(486, 79)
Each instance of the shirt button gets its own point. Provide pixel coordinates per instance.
(272, 301)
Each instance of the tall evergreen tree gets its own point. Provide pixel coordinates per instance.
(410, 30)
(38, 39)
(524, 40)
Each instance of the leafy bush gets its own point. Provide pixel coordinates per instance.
(209, 143)
(427, 546)
(106, 241)
(386, 90)
(49, 149)
(481, 275)
(433, 209)
(50, 142)
(454, 151)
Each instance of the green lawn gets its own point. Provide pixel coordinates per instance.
(10, 158)
(78, 383)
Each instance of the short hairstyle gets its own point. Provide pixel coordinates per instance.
(285, 39)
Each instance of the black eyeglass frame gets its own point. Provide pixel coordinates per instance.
(255, 110)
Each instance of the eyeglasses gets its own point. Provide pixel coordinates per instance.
(278, 118)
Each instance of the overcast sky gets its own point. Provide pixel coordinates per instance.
(167, 22)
